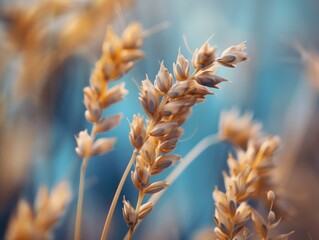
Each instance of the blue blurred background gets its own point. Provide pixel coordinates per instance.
(273, 85)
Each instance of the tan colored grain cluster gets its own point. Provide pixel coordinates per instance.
(253, 148)
(168, 103)
(45, 33)
(259, 159)
(248, 179)
(233, 212)
(119, 55)
(38, 223)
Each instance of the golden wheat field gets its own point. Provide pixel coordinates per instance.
(159, 120)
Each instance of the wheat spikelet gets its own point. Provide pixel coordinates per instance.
(37, 223)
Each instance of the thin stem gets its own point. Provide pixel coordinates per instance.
(130, 233)
(78, 220)
(141, 195)
(80, 201)
(189, 158)
(117, 194)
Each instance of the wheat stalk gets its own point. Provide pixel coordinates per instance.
(119, 55)
(168, 105)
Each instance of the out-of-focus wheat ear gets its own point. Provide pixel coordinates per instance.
(38, 223)
(119, 53)
(244, 182)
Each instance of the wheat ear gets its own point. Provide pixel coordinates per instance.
(245, 181)
(119, 55)
(168, 105)
(38, 223)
